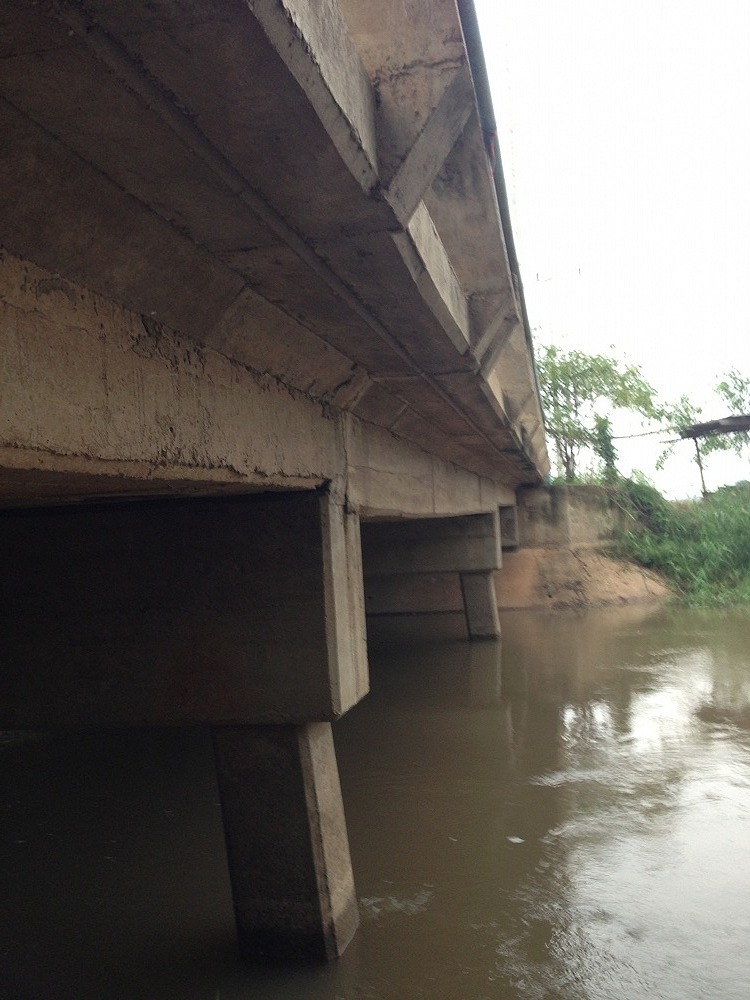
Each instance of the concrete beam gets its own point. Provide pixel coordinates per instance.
(499, 325)
(423, 253)
(287, 846)
(432, 545)
(462, 200)
(429, 553)
(503, 334)
(411, 52)
(166, 162)
(431, 147)
(96, 401)
(314, 42)
(237, 610)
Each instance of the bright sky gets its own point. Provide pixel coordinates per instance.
(625, 135)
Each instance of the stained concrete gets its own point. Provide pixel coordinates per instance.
(244, 609)
(100, 401)
(480, 605)
(165, 160)
(288, 851)
(416, 559)
(246, 248)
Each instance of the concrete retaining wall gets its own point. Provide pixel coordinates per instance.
(565, 515)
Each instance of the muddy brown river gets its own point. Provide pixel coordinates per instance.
(564, 815)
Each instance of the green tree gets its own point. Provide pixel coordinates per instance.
(734, 391)
(677, 416)
(604, 447)
(576, 388)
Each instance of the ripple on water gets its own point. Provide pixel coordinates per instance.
(374, 907)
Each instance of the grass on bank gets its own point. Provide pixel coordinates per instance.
(702, 547)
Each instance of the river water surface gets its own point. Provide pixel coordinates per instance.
(564, 815)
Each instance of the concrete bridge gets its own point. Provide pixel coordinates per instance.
(260, 322)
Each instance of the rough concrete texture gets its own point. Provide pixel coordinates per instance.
(508, 527)
(480, 605)
(237, 610)
(164, 158)
(99, 401)
(413, 562)
(245, 246)
(287, 846)
(556, 574)
(430, 593)
(541, 578)
(320, 52)
(567, 515)
(85, 381)
(432, 545)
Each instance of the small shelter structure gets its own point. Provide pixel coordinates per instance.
(712, 428)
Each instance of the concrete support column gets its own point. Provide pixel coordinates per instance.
(480, 605)
(243, 613)
(245, 610)
(485, 674)
(286, 839)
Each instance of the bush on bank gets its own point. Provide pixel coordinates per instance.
(701, 546)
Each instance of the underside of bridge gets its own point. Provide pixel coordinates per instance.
(260, 318)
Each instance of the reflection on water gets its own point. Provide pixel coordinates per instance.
(573, 825)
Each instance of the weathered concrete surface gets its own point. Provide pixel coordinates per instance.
(552, 559)
(568, 515)
(237, 610)
(246, 246)
(99, 401)
(165, 159)
(480, 605)
(559, 562)
(539, 578)
(509, 538)
(415, 559)
(467, 544)
(288, 851)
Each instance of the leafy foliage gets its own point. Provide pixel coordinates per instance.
(575, 388)
(702, 546)
(580, 391)
(604, 447)
(677, 415)
(734, 390)
(644, 501)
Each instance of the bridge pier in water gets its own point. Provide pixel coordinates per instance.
(180, 319)
(287, 847)
(409, 565)
(207, 612)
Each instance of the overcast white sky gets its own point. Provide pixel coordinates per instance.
(625, 135)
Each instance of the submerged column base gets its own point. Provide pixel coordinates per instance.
(287, 845)
(480, 605)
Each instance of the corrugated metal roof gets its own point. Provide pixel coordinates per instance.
(726, 425)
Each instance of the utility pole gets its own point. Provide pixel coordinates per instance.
(700, 466)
